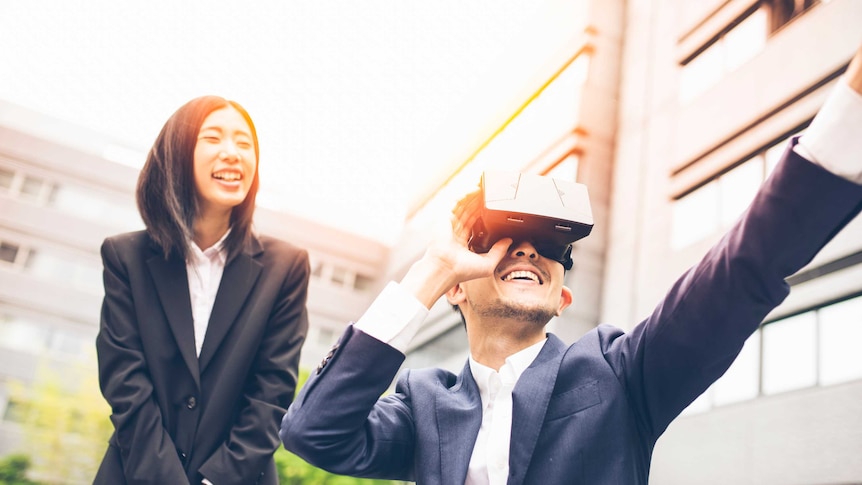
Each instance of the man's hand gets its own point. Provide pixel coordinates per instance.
(449, 261)
(854, 72)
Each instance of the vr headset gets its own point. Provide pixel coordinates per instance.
(549, 213)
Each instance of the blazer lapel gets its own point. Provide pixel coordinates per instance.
(459, 416)
(529, 402)
(240, 275)
(172, 286)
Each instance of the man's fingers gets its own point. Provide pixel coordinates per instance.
(469, 203)
(854, 72)
(500, 248)
(465, 214)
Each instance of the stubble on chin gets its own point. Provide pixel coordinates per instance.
(499, 309)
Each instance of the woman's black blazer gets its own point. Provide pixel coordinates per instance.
(177, 417)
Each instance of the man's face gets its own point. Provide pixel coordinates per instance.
(525, 286)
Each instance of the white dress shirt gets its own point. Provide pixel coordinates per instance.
(204, 269)
(833, 141)
(489, 463)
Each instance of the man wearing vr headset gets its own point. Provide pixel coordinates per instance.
(526, 408)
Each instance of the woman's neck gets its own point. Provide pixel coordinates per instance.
(209, 229)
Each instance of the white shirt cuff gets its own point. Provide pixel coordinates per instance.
(834, 138)
(394, 317)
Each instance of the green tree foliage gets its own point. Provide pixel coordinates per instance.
(13, 470)
(65, 423)
(293, 470)
(66, 427)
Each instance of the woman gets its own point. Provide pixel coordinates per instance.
(202, 320)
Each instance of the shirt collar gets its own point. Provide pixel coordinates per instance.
(517, 363)
(216, 251)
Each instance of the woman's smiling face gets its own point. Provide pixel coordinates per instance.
(224, 162)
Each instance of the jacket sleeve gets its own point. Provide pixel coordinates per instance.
(270, 387)
(699, 328)
(147, 451)
(340, 423)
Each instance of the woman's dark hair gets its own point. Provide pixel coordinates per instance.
(166, 192)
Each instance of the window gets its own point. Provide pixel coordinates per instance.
(718, 204)
(94, 205)
(14, 255)
(316, 268)
(70, 269)
(24, 186)
(818, 347)
(773, 155)
(741, 382)
(8, 252)
(745, 40)
(740, 42)
(21, 335)
(840, 334)
(363, 282)
(695, 216)
(726, 53)
(62, 268)
(339, 275)
(789, 354)
(62, 341)
(35, 189)
(7, 177)
(700, 73)
(70, 344)
(783, 11)
(737, 189)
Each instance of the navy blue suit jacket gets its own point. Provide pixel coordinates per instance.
(589, 413)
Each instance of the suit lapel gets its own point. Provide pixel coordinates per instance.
(529, 402)
(240, 275)
(459, 416)
(172, 286)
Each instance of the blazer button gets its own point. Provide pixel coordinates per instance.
(191, 403)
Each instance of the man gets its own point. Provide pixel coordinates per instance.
(528, 409)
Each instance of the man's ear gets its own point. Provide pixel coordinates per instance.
(456, 295)
(565, 300)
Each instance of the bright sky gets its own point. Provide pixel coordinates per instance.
(359, 105)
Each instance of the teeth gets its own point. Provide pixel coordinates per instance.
(229, 176)
(521, 274)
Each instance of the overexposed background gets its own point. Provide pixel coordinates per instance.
(346, 95)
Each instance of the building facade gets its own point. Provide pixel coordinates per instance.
(711, 92)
